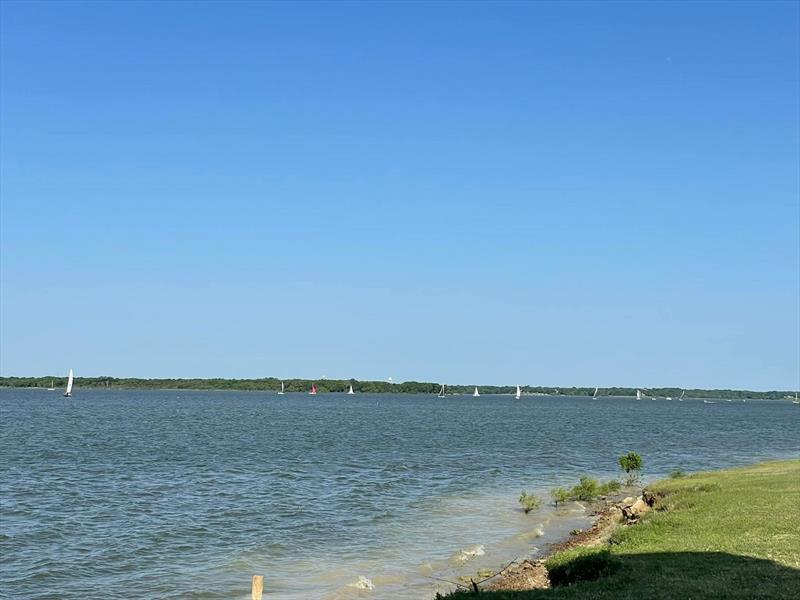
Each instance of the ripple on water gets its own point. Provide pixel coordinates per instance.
(171, 495)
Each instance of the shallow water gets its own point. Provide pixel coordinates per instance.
(176, 494)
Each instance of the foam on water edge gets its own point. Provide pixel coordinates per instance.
(465, 535)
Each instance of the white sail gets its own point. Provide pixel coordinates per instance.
(518, 395)
(350, 389)
(638, 394)
(441, 392)
(682, 394)
(476, 393)
(281, 392)
(594, 396)
(68, 392)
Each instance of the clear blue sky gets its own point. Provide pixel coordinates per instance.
(555, 194)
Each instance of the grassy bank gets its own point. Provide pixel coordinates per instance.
(723, 534)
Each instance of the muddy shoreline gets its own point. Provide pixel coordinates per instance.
(528, 574)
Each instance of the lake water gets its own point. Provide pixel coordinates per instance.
(176, 494)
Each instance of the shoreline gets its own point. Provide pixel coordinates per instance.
(605, 514)
(271, 385)
(608, 515)
(695, 396)
(709, 534)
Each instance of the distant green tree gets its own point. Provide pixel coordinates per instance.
(268, 384)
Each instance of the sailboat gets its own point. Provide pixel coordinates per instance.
(313, 389)
(518, 395)
(68, 391)
(52, 387)
(683, 392)
(795, 401)
(594, 396)
(350, 390)
(638, 394)
(476, 393)
(441, 392)
(281, 392)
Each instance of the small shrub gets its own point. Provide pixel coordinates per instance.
(677, 474)
(582, 565)
(609, 487)
(576, 532)
(559, 495)
(587, 489)
(529, 502)
(632, 463)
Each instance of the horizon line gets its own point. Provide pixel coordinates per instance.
(390, 381)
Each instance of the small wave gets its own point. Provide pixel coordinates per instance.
(362, 583)
(531, 534)
(467, 554)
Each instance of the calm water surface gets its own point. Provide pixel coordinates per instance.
(175, 494)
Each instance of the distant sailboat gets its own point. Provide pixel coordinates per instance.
(68, 391)
(281, 392)
(313, 389)
(350, 390)
(682, 394)
(638, 394)
(594, 396)
(795, 401)
(708, 402)
(518, 395)
(52, 387)
(441, 392)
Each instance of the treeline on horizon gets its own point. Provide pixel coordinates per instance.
(272, 384)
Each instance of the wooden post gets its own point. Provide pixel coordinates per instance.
(258, 587)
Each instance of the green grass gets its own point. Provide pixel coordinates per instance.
(723, 534)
